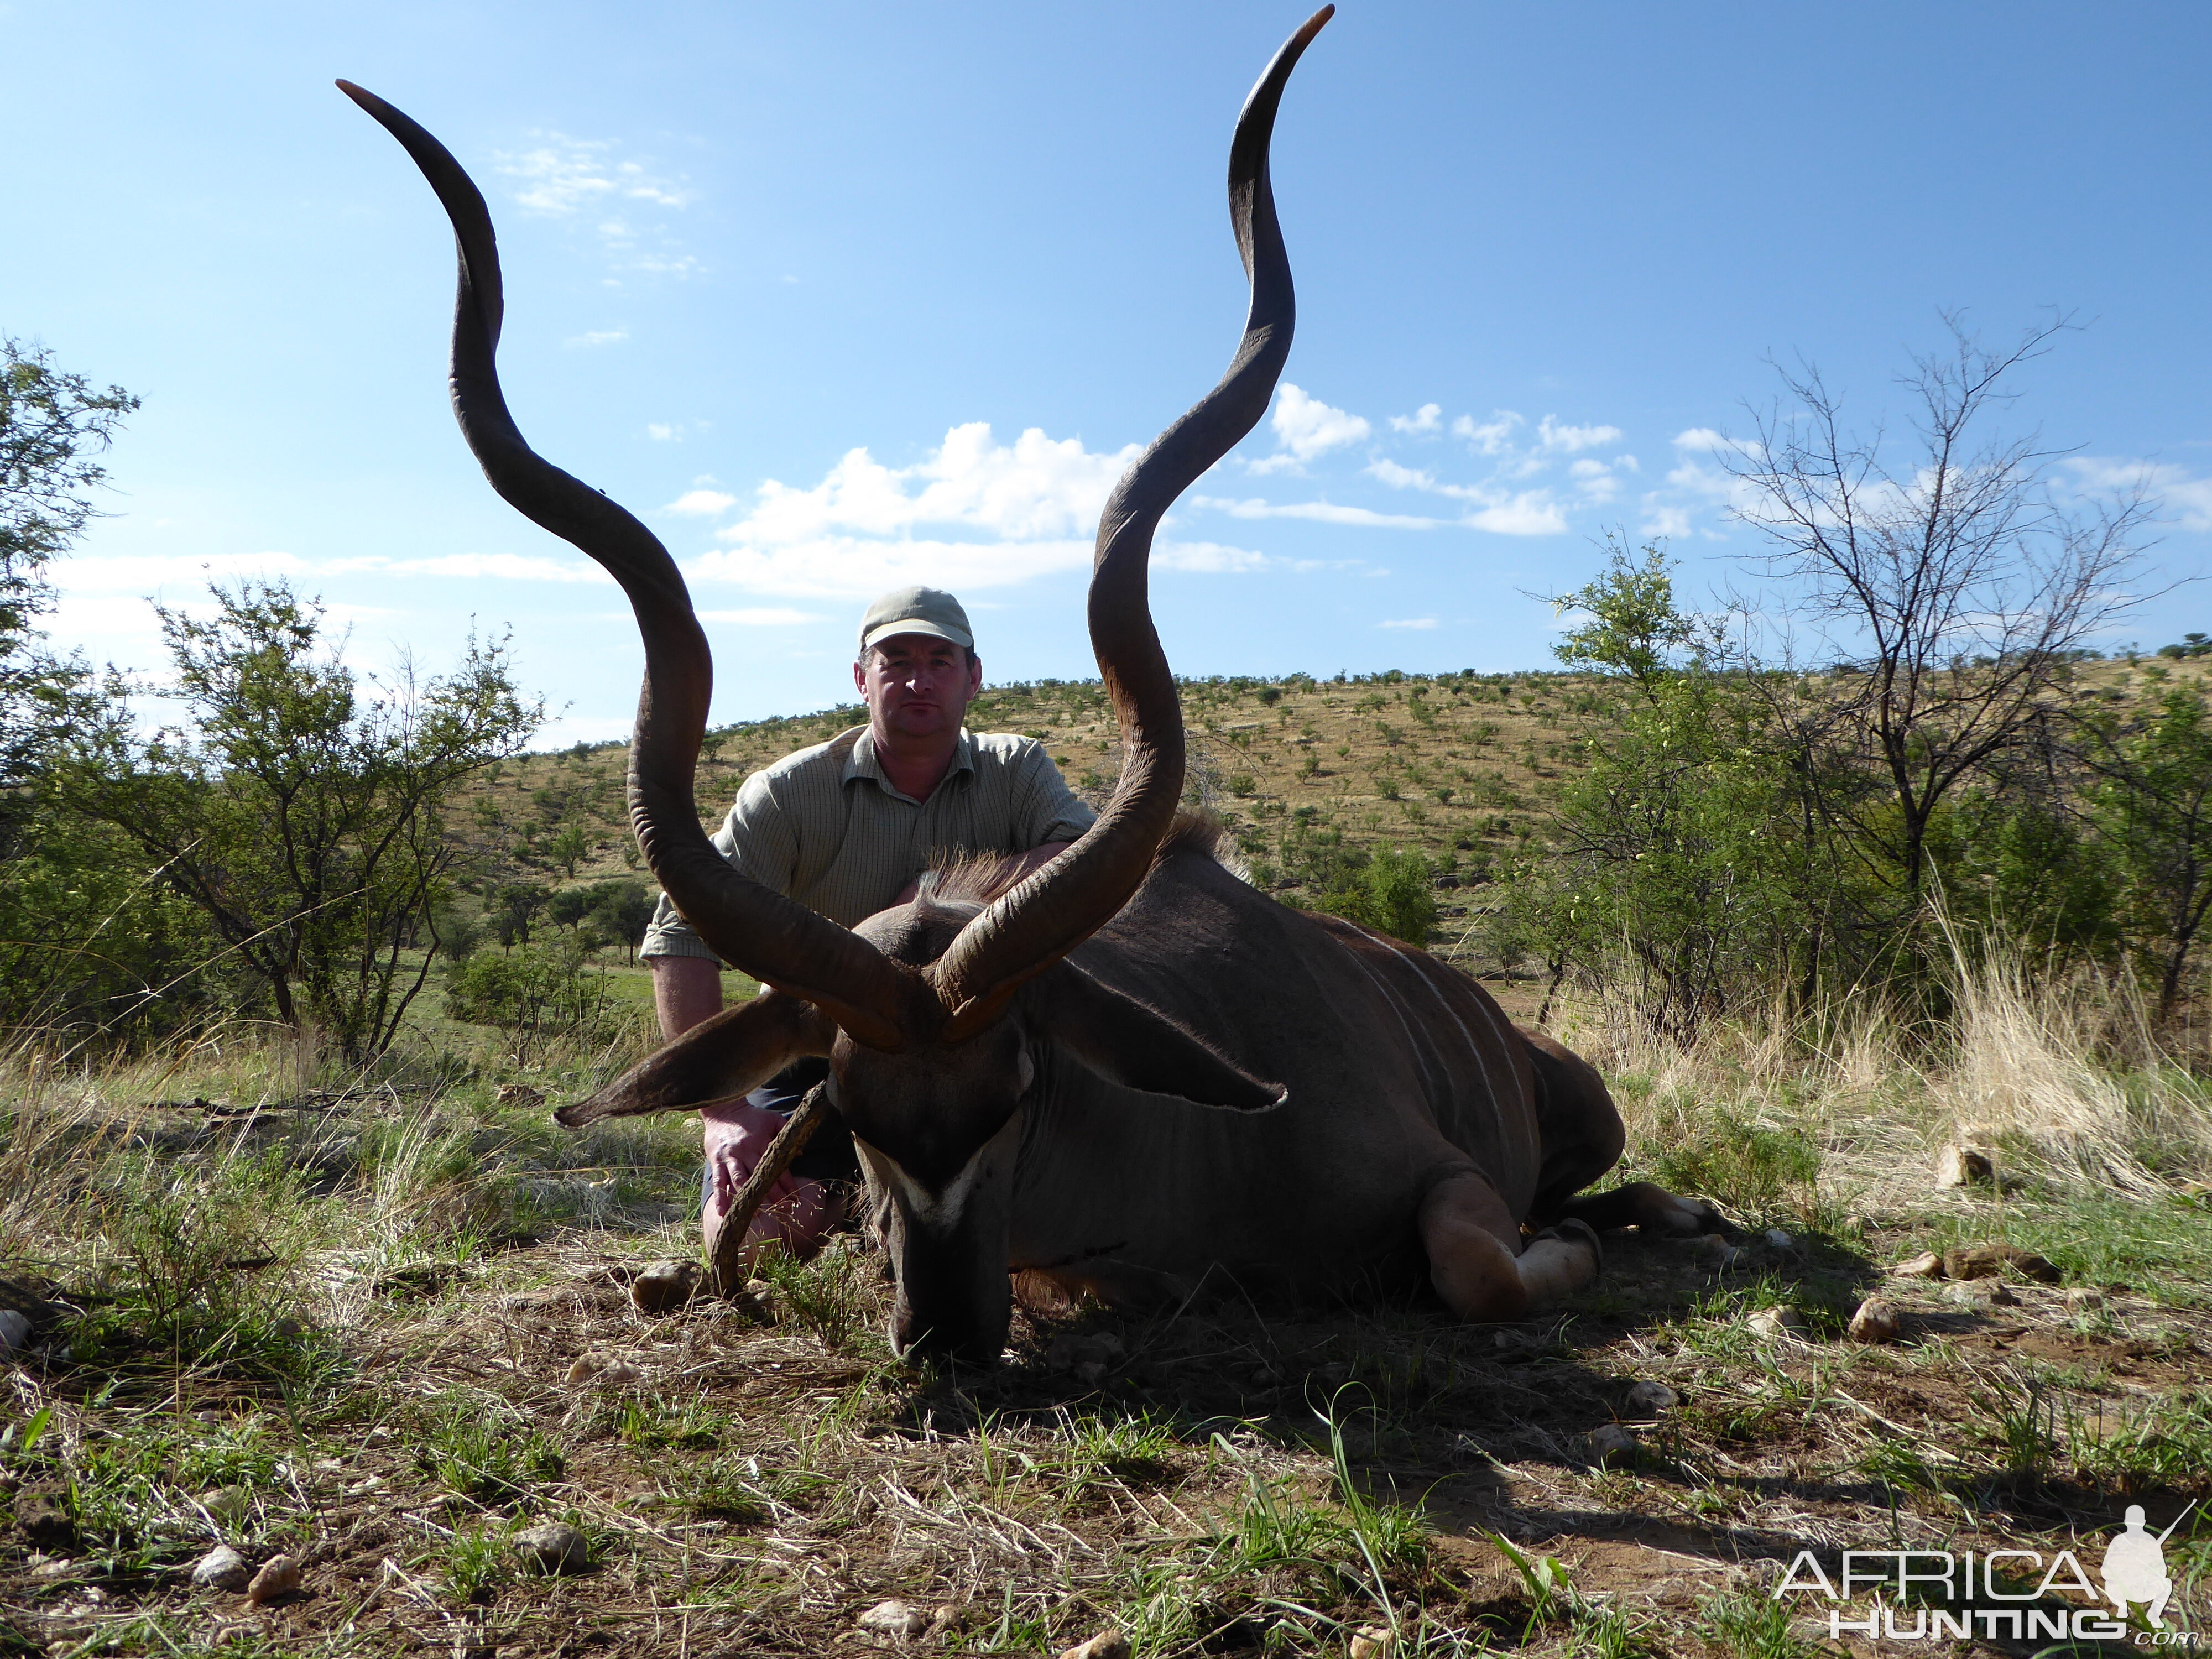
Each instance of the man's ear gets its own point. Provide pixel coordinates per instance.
(738, 1050)
(1138, 1047)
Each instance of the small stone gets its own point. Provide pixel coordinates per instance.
(221, 1568)
(948, 1616)
(1963, 1166)
(1983, 1293)
(520, 1096)
(1370, 1642)
(279, 1576)
(549, 1546)
(667, 1286)
(1927, 1265)
(15, 1329)
(1990, 1261)
(227, 1504)
(1776, 1322)
(896, 1619)
(1650, 1399)
(1714, 1252)
(1778, 1240)
(60, 1567)
(2082, 1299)
(1107, 1644)
(1874, 1321)
(1609, 1446)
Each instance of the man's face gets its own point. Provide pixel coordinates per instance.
(917, 685)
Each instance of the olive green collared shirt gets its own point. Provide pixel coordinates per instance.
(825, 826)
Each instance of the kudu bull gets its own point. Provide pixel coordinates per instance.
(1129, 1070)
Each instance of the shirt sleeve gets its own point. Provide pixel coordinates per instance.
(757, 839)
(1045, 808)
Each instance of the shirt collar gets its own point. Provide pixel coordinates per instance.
(862, 763)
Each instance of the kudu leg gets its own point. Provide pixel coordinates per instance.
(1478, 1263)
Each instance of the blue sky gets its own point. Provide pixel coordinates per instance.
(841, 295)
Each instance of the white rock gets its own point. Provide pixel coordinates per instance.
(1715, 1252)
(1776, 1322)
(279, 1576)
(896, 1619)
(1370, 1643)
(1927, 1265)
(551, 1547)
(1776, 1239)
(221, 1568)
(1651, 1400)
(1874, 1321)
(1107, 1644)
(15, 1329)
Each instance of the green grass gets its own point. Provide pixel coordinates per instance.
(2161, 1248)
(476, 1447)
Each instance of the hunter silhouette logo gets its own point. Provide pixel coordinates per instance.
(2015, 1594)
(2135, 1568)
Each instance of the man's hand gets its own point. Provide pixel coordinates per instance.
(797, 1212)
(685, 990)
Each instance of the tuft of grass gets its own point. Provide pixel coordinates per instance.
(1764, 1172)
(1749, 1626)
(2167, 1447)
(833, 1295)
(477, 1562)
(652, 1423)
(476, 1446)
(199, 1270)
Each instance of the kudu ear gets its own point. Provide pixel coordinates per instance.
(738, 1050)
(1139, 1048)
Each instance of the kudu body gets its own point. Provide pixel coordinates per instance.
(1127, 1072)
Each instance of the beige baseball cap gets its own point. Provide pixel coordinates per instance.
(929, 610)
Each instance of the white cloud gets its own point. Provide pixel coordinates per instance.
(2187, 499)
(1210, 558)
(562, 176)
(703, 503)
(1029, 508)
(1494, 436)
(1400, 477)
(1702, 441)
(1426, 418)
(854, 567)
(662, 432)
(1321, 512)
(1573, 439)
(1658, 520)
(769, 616)
(598, 337)
(1306, 428)
(1531, 513)
(1410, 621)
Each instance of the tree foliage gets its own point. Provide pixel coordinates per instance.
(299, 811)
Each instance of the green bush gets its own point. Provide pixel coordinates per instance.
(536, 995)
